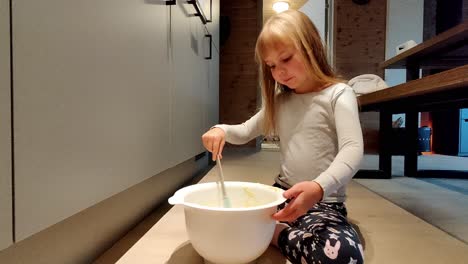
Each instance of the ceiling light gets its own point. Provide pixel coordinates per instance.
(280, 6)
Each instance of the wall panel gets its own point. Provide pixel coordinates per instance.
(92, 93)
(189, 82)
(6, 228)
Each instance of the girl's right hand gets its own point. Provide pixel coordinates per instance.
(214, 140)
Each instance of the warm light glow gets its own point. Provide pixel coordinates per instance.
(280, 6)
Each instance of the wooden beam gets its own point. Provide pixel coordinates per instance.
(444, 81)
(449, 40)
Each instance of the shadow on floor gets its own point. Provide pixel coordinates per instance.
(186, 251)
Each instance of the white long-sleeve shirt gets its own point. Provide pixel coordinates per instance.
(320, 138)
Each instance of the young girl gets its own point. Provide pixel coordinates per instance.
(316, 119)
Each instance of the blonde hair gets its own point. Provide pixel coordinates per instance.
(290, 28)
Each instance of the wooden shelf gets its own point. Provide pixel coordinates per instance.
(456, 78)
(440, 91)
(423, 54)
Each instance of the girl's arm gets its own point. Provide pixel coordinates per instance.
(243, 133)
(350, 144)
(215, 138)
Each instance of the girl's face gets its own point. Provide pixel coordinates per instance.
(287, 67)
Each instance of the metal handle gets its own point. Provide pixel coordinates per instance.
(171, 2)
(199, 11)
(210, 40)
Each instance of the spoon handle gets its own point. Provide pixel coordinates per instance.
(226, 201)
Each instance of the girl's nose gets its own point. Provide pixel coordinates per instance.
(282, 71)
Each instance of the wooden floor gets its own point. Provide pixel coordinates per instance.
(390, 234)
(439, 201)
(425, 162)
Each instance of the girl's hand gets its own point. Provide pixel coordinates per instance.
(303, 196)
(214, 140)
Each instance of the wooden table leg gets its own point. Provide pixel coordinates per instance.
(385, 156)
(412, 124)
(411, 148)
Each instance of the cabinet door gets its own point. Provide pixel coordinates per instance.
(91, 106)
(187, 37)
(212, 94)
(213, 27)
(6, 228)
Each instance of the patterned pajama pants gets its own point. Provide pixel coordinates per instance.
(323, 235)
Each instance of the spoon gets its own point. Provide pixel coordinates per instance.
(226, 201)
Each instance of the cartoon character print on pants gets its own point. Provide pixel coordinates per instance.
(323, 235)
(331, 251)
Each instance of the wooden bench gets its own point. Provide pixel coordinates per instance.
(444, 90)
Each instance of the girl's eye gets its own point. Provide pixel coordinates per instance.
(287, 59)
(271, 66)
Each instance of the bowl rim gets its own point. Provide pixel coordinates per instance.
(200, 186)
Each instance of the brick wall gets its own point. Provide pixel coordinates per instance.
(360, 37)
(359, 48)
(238, 70)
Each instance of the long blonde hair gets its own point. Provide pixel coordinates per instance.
(290, 28)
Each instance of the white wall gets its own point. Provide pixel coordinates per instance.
(315, 10)
(5, 138)
(404, 22)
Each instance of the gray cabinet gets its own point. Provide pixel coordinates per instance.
(196, 78)
(213, 27)
(188, 93)
(106, 95)
(6, 231)
(212, 95)
(92, 84)
(213, 72)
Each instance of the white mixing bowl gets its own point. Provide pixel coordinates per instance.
(238, 234)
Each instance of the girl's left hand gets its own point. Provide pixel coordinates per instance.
(303, 196)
